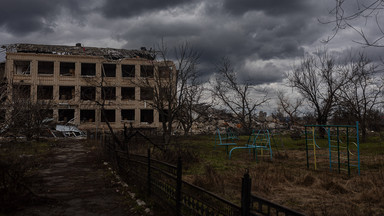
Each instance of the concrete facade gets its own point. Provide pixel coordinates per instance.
(73, 81)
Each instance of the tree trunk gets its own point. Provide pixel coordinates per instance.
(363, 127)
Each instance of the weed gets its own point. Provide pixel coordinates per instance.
(18, 165)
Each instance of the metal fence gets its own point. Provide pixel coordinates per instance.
(164, 180)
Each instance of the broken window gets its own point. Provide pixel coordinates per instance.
(46, 113)
(109, 115)
(165, 71)
(44, 92)
(146, 71)
(88, 69)
(164, 92)
(128, 114)
(3, 98)
(45, 67)
(146, 115)
(146, 93)
(22, 67)
(108, 93)
(163, 116)
(66, 115)
(2, 69)
(128, 93)
(67, 69)
(22, 91)
(2, 116)
(128, 70)
(87, 115)
(66, 92)
(109, 70)
(87, 93)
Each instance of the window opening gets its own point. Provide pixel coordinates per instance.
(163, 116)
(22, 91)
(2, 116)
(22, 67)
(87, 93)
(66, 115)
(67, 69)
(88, 69)
(109, 115)
(128, 114)
(146, 116)
(44, 92)
(108, 93)
(87, 115)
(165, 71)
(128, 93)
(146, 71)
(45, 67)
(128, 70)
(146, 93)
(109, 70)
(66, 92)
(46, 113)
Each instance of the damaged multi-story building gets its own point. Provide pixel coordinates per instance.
(77, 81)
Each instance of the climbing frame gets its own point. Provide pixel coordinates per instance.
(341, 147)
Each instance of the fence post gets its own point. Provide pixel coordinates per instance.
(149, 173)
(246, 194)
(125, 133)
(115, 156)
(178, 186)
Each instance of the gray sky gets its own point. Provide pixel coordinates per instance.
(264, 39)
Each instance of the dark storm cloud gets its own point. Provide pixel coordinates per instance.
(243, 30)
(267, 73)
(21, 17)
(124, 8)
(272, 7)
(250, 37)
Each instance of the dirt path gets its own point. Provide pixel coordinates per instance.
(78, 184)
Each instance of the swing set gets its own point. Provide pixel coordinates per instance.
(257, 141)
(343, 150)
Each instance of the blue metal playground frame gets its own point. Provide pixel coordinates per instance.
(260, 141)
(332, 147)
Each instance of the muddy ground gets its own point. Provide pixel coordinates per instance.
(75, 181)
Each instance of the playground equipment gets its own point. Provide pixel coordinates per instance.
(276, 139)
(231, 134)
(228, 137)
(257, 141)
(343, 146)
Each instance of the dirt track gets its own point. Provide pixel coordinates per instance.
(77, 183)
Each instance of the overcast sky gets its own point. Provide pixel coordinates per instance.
(263, 38)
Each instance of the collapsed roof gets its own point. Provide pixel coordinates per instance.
(108, 53)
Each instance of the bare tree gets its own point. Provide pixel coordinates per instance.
(362, 95)
(101, 85)
(174, 84)
(238, 97)
(319, 80)
(289, 107)
(356, 15)
(189, 112)
(26, 117)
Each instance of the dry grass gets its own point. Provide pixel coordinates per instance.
(287, 181)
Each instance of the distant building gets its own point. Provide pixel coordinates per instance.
(69, 77)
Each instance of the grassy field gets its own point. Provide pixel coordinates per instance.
(286, 179)
(19, 162)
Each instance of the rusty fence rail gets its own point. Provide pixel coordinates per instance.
(265, 207)
(255, 205)
(164, 181)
